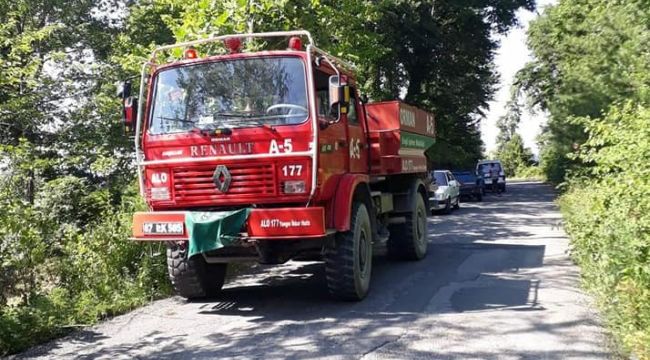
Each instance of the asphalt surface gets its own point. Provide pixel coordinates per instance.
(497, 284)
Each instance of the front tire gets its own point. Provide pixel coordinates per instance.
(193, 278)
(348, 264)
(408, 241)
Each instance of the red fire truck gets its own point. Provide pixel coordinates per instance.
(272, 155)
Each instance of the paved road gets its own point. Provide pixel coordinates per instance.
(497, 284)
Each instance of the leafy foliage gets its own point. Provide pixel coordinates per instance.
(589, 55)
(591, 72)
(608, 216)
(65, 176)
(514, 156)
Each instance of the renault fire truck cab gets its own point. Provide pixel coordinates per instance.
(270, 156)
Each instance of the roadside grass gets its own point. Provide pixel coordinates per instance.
(607, 215)
(610, 243)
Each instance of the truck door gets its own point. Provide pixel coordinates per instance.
(332, 139)
(356, 136)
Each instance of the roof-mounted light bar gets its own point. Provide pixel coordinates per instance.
(213, 39)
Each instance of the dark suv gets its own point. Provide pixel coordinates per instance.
(493, 174)
(471, 186)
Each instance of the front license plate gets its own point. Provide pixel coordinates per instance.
(162, 228)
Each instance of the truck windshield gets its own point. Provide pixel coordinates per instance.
(230, 94)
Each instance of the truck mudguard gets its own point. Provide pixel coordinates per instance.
(342, 205)
(403, 201)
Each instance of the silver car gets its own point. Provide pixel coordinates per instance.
(447, 194)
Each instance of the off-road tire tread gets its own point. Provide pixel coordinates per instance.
(339, 262)
(400, 243)
(193, 278)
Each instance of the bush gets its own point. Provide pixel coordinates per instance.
(57, 276)
(607, 214)
(530, 172)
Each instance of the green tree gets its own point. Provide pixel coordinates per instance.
(507, 124)
(514, 156)
(588, 55)
(65, 174)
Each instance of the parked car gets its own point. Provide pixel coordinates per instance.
(491, 170)
(471, 186)
(447, 194)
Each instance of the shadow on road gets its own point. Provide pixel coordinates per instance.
(285, 311)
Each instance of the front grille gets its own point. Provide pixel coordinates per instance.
(248, 181)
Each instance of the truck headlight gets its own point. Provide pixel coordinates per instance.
(160, 193)
(294, 187)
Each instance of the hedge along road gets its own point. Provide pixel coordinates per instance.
(497, 283)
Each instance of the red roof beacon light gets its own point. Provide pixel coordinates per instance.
(233, 45)
(190, 53)
(295, 43)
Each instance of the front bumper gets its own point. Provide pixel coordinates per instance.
(470, 190)
(500, 181)
(266, 224)
(436, 203)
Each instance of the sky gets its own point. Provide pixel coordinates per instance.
(512, 55)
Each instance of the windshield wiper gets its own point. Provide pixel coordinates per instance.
(233, 115)
(175, 120)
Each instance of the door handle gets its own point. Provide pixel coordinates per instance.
(342, 143)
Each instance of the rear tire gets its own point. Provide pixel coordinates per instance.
(479, 196)
(408, 241)
(457, 206)
(193, 278)
(348, 264)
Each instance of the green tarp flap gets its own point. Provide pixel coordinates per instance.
(213, 230)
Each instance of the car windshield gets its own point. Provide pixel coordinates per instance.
(440, 177)
(229, 94)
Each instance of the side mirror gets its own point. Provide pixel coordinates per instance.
(123, 89)
(129, 106)
(130, 113)
(339, 96)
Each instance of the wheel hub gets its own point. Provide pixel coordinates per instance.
(363, 253)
